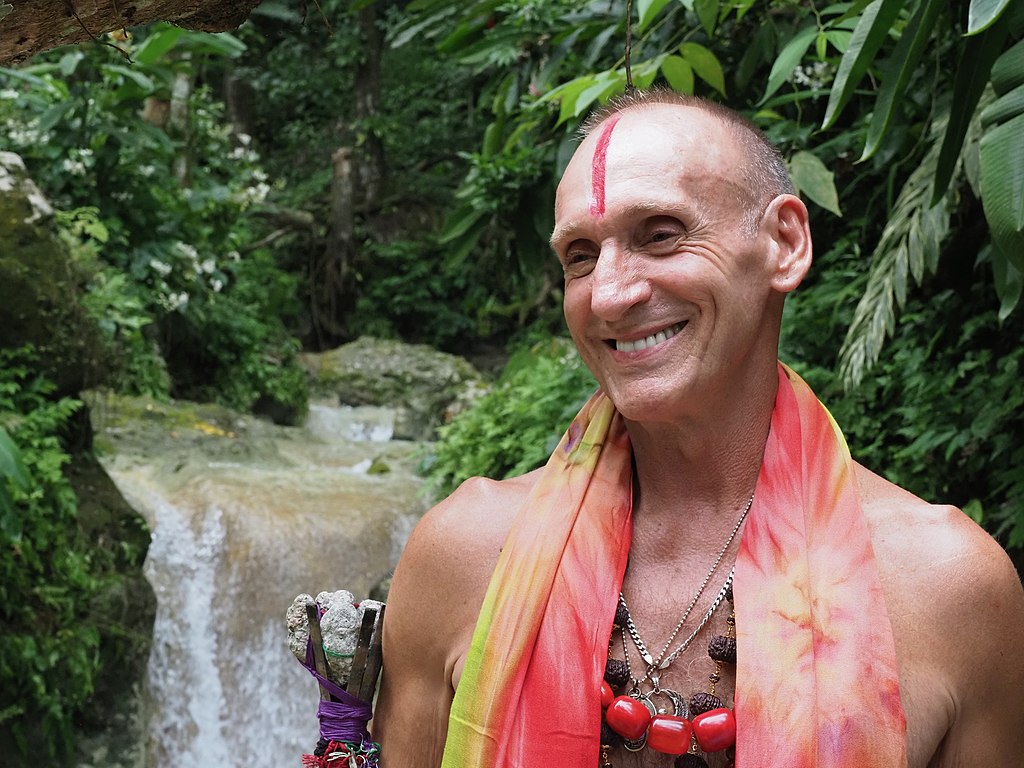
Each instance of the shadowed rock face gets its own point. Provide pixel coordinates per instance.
(246, 515)
(28, 28)
(41, 287)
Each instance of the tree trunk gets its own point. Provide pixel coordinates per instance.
(329, 274)
(179, 125)
(370, 165)
(32, 26)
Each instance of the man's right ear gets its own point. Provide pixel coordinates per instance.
(787, 223)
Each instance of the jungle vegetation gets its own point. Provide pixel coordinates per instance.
(387, 168)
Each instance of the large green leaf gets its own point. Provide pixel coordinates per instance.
(1008, 71)
(972, 75)
(647, 10)
(678, 73)
(606, 83)
(1005, 108)
(705, 64)
(788, 58)
(983, 13)
(219, 44)
(1002, 187)
(11, 467)
(145, 83)
(811, 177)
(868, 36)
(707, 12)
(898, 69)
(1008, 283)
(159, 42)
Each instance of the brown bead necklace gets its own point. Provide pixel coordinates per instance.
(698, 724)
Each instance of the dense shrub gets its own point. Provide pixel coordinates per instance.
(158, 195)
(49, 649)
(515, 426)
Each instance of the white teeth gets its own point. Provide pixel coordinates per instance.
(648, 341)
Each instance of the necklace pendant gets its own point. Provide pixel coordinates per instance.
(648, 659)
(664, 664)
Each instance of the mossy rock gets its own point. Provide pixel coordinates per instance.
(41, 288)
(421, 383)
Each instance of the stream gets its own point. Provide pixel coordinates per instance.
(244, 516)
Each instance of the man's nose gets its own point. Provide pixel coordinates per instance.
(618, 283)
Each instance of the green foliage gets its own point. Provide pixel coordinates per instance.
(515, 426)
(941, 414)
(909, 248)
(158, 191)
(404, 295)
(48, 653)
(118, 307)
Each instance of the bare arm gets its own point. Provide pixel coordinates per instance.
(957, 609)
(433, 604)
(987, 637)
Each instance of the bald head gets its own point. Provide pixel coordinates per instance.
(762, 170)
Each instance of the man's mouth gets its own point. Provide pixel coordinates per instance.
(647, 341)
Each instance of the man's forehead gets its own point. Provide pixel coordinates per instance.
(671, 141)
(676, 138)
(661, 127)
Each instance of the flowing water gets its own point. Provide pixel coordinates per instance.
(244, 517)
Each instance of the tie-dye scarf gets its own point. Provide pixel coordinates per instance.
(816, 682)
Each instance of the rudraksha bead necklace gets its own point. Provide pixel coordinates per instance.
(698, 723)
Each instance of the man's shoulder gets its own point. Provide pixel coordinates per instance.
(477, 515)
(944, 576)
(453, 549)
(957, 611)
(913, 537)
(928, 533)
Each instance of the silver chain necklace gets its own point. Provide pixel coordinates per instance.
(656, 664)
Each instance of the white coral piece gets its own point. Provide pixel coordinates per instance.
(339, 626)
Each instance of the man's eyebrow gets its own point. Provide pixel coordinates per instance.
(562, 233)
(633, 210)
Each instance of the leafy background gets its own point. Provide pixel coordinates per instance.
(387, 168)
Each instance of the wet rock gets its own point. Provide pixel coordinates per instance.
(420, 383)
(245, 515)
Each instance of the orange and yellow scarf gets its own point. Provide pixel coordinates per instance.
(816, 678)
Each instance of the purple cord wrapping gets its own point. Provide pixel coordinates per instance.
(342, 720)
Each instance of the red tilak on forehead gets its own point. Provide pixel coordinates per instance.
(597, 168)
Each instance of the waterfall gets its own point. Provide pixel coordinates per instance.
(242, 521)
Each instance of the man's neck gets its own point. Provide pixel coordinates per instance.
(703, 469)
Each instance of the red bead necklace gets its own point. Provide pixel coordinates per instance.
(700, 724)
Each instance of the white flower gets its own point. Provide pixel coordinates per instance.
(257, 193)
(177, 300)
(208, 266)
(9, 94)
(147, 170)
(244, 139)
(233, 256)
(187, 250)
(74, 167)
(161, 268)
(216, 284)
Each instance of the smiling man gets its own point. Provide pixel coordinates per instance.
(701, 575)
